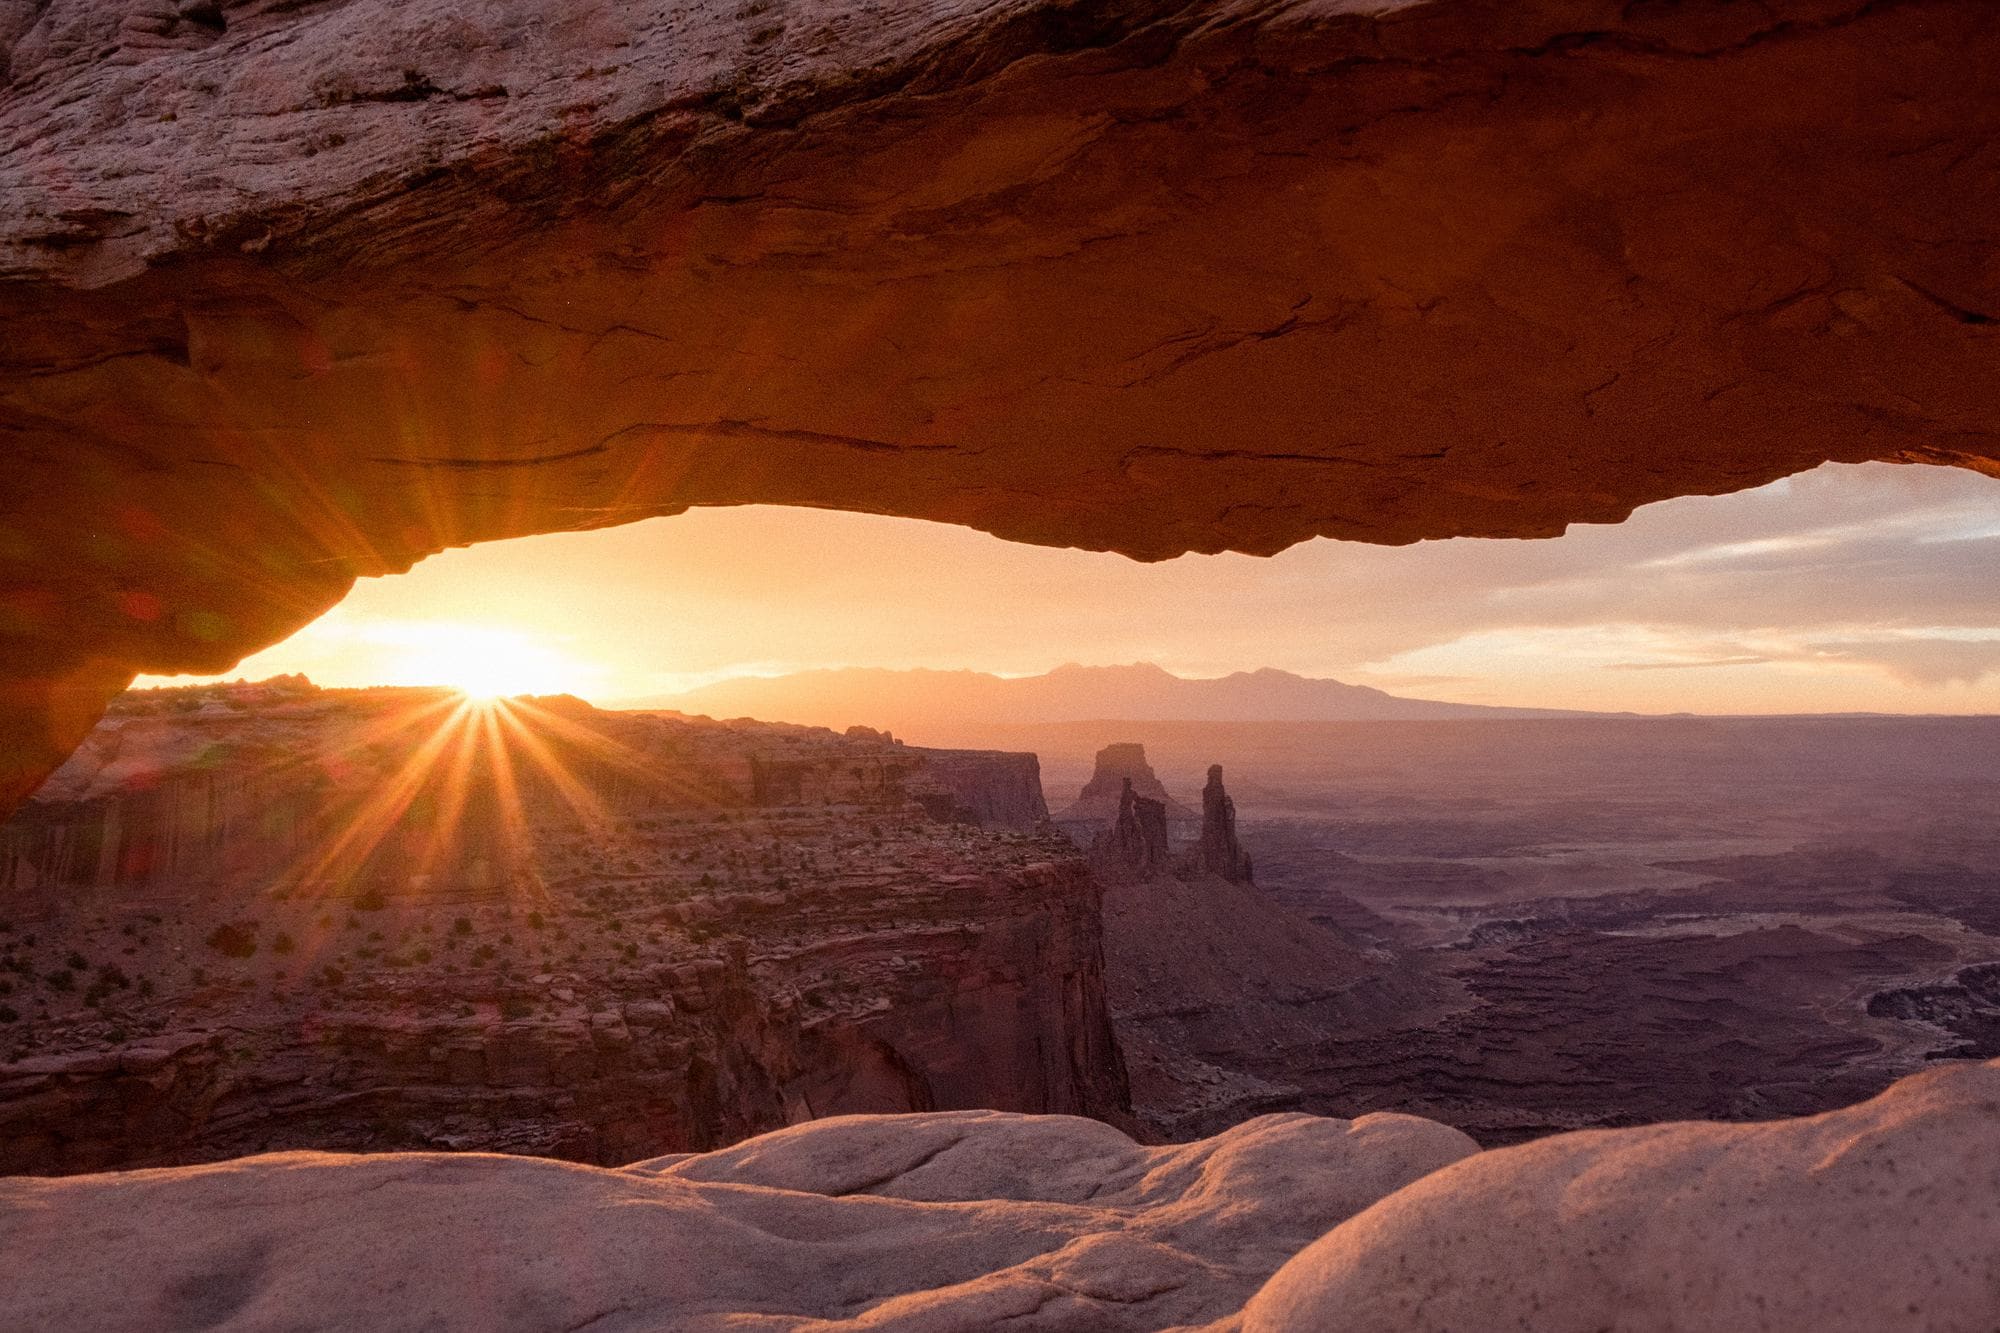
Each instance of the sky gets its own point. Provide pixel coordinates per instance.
(1867, 587)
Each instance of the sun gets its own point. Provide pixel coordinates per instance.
(487, 662)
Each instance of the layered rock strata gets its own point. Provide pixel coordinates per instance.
(992, 788)
(585, 935)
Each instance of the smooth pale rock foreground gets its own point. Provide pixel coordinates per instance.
(1881, 1216)
(1884, 1215)
(941, 1221)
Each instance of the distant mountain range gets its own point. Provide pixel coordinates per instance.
(922, 699)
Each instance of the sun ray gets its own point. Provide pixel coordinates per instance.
(573, 792)
(364, 831)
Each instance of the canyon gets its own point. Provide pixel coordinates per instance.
(1521, 928)
(354, 950)
(269, 916)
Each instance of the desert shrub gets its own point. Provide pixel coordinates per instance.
(232, 941)
(371, 899)
(535, 921)
(515, 1008)
(61, 979)
(484, 953)
(9, 1014)
(76, 962)
(331, 975)
(462, 926)
(109, 978)
(283, 943)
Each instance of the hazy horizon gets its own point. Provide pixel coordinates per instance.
(1716, 605)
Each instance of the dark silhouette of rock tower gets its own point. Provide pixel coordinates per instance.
(1140, 835)
(1220, 853)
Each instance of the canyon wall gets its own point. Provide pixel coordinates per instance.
(661, 935)
(300, 294)
(991, 787)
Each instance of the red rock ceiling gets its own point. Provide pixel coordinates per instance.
(298, 294)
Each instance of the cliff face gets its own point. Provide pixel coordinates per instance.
(663, 936)
(989, 787)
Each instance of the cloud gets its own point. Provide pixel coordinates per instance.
(1928, 663)
(1745, 660)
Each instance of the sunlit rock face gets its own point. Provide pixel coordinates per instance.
(297, 294)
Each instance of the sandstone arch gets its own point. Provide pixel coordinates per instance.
(299, 294)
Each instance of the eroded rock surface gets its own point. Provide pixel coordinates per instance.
(259, 917)
(1873, 1218)
(1880, 1216)
(908, 1222)
(296, 294)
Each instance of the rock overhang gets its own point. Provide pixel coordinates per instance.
(296, 296)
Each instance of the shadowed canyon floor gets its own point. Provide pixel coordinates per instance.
(1529, 926)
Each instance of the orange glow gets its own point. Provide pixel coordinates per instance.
(456, 799)
(481, 662)
(1714, 605)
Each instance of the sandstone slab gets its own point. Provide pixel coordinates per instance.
(1881, 1216)
(923, 1222)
